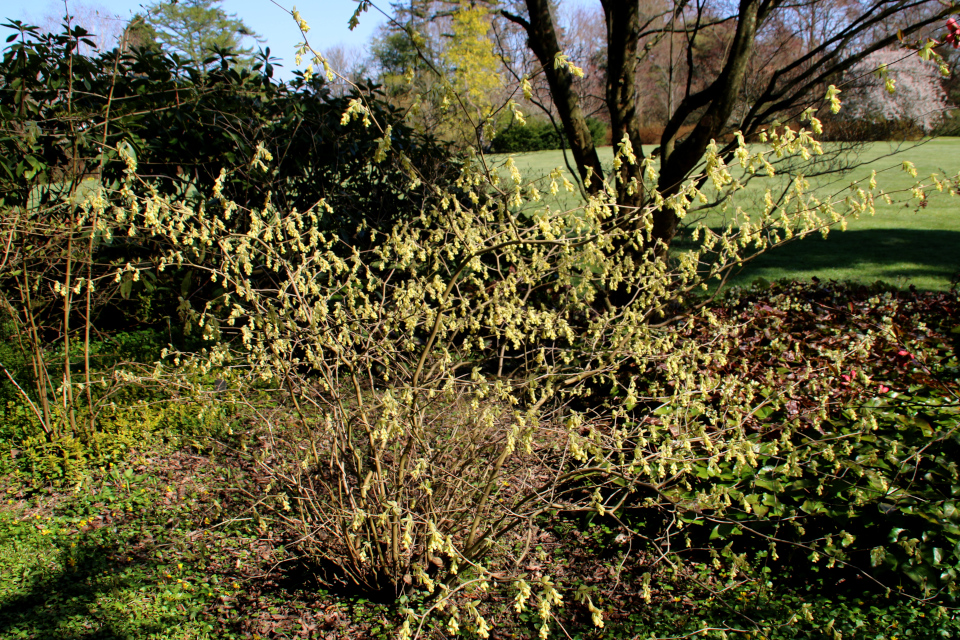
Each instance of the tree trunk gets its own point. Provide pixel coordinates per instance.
(542, 39)
(623, 41)
(678, 160)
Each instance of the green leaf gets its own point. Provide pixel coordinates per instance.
(126, 286)
(812, 507)
(722, 531)
(186, 284)
(764, 483)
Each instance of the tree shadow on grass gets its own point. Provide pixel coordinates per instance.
(96, 599)
(896, 256)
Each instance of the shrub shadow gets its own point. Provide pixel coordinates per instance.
(929, 253)
(69, 604)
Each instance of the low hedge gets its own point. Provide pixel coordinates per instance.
(539, 134)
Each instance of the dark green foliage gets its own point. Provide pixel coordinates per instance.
(185, 125)
(539, 135)
(64, 117)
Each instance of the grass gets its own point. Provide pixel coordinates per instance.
(901, 245)
(112, 558)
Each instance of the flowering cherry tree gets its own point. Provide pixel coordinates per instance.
(897, 85)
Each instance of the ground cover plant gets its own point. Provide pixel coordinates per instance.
(487, 415)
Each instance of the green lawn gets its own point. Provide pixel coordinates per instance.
(900, 245)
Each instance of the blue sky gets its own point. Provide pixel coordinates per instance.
(328, 20)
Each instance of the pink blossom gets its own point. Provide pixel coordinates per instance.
(919, 97)
(953, 33)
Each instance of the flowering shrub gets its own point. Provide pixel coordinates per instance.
(538, 134)
(897, 87)
(445, 388)
(425, 399)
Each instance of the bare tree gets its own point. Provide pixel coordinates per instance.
(712, 100)
(351, 64)
(105, 27)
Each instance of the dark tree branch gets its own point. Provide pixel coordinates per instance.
(543, 41)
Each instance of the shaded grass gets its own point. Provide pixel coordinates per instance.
(92, 600)
(107, 560)
(928, 259)
(903, 244)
